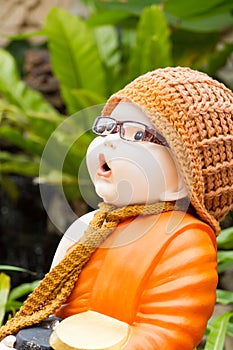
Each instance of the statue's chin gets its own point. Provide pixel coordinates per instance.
(107, 192)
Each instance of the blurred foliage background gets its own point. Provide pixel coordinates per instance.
(75, 58)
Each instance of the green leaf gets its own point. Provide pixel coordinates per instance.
(74, 55)
(22, 290)
(104, 18)
(133, 6)
(19, 164)
(85, 98)
(29, 130)
(13, 305)
(203, 24)
(216, 337)
(4, 291)
(225, 256)
(42, 125)
(191, 8)
(224, 297)
(153, 47)
(225, 239)
(24, 36)
(225, 260)
(22, 140)
(15, 268)
(190, 48)
(108, 45)
(224, 266)
(11, 114)
(230, 329)
(15, 90)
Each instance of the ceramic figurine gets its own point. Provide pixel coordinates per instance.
(162, 163)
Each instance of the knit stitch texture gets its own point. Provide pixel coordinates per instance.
(195, 114)
(57, 285)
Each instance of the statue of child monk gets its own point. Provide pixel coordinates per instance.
(162, 163)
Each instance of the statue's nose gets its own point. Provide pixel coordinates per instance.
(112, 141)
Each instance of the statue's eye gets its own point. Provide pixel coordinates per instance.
(100, 128)
(109, 127)
(138, 135)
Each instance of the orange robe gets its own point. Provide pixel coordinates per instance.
(158, 274)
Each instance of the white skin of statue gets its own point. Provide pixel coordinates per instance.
(130, 164)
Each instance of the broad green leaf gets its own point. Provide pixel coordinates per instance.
(108, 45)
(216, 337)
(23, 140)
(209, 324)
(191, 8)
(127, 47)
(22, 290)
(15, 268)
(43, 124)
(230, 329)
(29, 131)
(15, 90)
(52, 118)
(224, 266)
(224, 256)
(81, 98)
(24, 36)
(13, 305)
(224, 297)
(111, 48)
(19, 164)
(225, 239)
(12, 114)
(203, 24)
(133, 6)
(190, 50)
(54, 159)
(224, 7)
(26, 128)
(84, 98)
(153, 46)
(225, 260)
(104, 18)
(4, 291)
(74, 55)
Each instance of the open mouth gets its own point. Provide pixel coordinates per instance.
(104, 169)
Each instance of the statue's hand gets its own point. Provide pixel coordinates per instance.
(8, 343)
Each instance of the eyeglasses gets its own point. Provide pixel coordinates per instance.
(128, 130)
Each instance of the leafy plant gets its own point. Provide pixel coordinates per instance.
(17, 295)
(218, 331)
(4, 291)
(222, 325)
(82, 76)
(11, 300)
(95, 57)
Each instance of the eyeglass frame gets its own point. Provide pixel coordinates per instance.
(118, 127)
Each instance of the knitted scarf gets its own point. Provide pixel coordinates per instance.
(57, 285)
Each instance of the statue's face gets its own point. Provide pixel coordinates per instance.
(128, 172)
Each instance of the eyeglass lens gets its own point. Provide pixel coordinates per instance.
(132, 131)
(104, 126)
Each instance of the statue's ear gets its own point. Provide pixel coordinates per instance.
(173, 195)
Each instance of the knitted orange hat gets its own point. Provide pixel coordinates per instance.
(195, 114)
